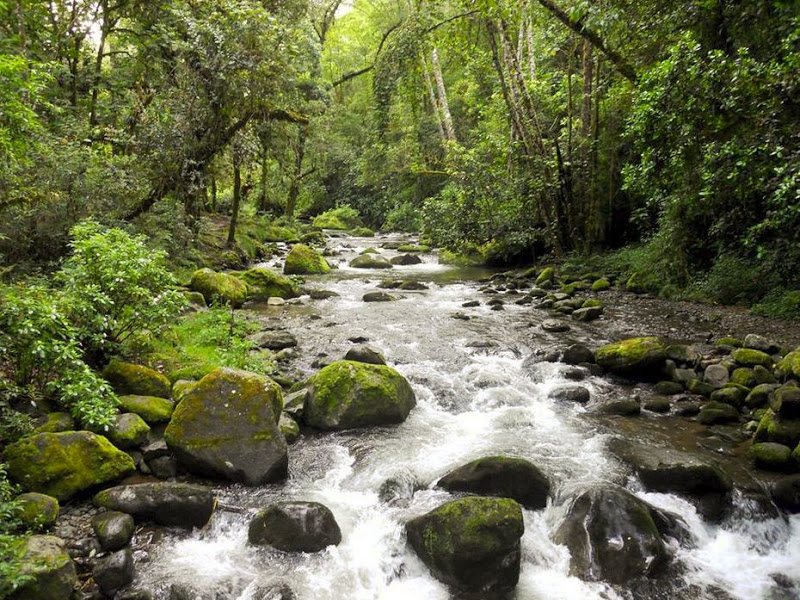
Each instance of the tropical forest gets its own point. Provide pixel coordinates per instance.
(399, 299)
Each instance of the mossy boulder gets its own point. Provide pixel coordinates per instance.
(226, 426)
(362, 232)
(45, 559)
(275, 233)
(170, 504)
(747, 357)
(192, 372)
(63, 464)
(39, 511)
(632, 356)
(180, 387)
(772, 456)
(136, 380)
(219, 288)
(501, 476)
(601, 285)
(150, 408)
(348, 394)
(547, 276)
(729, 342)
(265, 284)
(760, 395)
(713, 413)
(295, 527)
(289, 428)
(304, 260)
(744, 376)
(371, 261)
(774, 428)
(789, 365)
(730, 395)
(612, 537)
(56, 423)
(471, 544)
(129, 431)
(786, 402)
(624, 407)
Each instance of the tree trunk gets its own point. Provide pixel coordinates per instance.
(447, 117)
(213, 177)
(98, 63)
(294, 188)
(432, 96)
(237, 196)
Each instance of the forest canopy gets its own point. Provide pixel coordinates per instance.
(664, 132)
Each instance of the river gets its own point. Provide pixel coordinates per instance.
(475, 397)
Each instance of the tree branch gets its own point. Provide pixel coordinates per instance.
(593, 38)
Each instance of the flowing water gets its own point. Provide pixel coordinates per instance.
(474, 398)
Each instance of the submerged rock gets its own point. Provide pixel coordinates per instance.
(570, 393)
(219, 288)
(378, 297)
(471, 544)
(501, 476)
(128, 379)
(295, 527)
(170, 504)
(45, 560)
(348, 394)
(63, 464)
(612, 536)
(227, 426)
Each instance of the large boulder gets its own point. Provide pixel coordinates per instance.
(63, 464)
(612, 536)
(303, 260)
(633, 356)
(406, 259)
(471, 544)
(777, 429)
(371, 261)
(265, 284)
(219, 288)
(136, 380)
(295, 527)
(502, 476)
(170, 504)
(226, 426)
(786, 493)
(349, 394)
(45, 559)
(113, 572)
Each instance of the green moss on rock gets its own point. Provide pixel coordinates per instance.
(772, 456)
(265, 284)
(136, 380)
(744, 376)
(153, 410)
(303, 260)
(362, 232)
(129, 431)
(274, 233)
(601, 285)
(56, 422)
(38, 511)
(192, 372)
(547, 275)
(349, 394)
(789, 366)
(748, 357)
(371, 261)
(63, 464)
(631, 356)
(774, 428)
(471, 543)
(219, 288)
(46, 561)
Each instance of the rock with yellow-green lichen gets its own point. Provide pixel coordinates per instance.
(747, 357)
(39, 511)
(303, 260)
(150, 408)
(63, 464)
(180, 387)
(52, 572)
(275, 233)
(128, 379)
(471, 544)
(775, 428)
(371, 261)
(226, 427)
(265, 284)
(129, 431)
(547, 276)
(219, 288)
(789, 366)
(601, 285)
(772, 457)
(633, 356)
(348, 394)
(289, 428)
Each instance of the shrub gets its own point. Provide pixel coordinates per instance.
(343, 217)
(11, 543)
(40, 354)
(404, 217)
(780, 304)
(117, 286)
